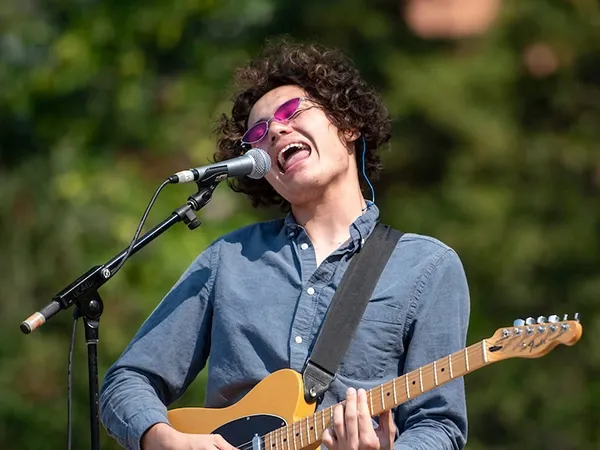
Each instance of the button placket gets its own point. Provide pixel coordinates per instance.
(306, 309)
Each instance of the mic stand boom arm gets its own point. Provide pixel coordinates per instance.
(83, 292)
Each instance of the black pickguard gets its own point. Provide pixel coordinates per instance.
(241, 431)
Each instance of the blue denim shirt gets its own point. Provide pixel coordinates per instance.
(254, 301)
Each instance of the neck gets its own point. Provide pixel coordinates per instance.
(327, 220)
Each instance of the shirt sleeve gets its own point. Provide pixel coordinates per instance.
(440, 314)
(163, 358)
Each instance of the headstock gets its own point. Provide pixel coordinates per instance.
(533, 338)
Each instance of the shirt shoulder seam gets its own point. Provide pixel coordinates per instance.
(421, 283)
(214, 258)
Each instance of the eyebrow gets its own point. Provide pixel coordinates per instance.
(266, 118)
(248, 124)
(254, 123)
(263, 118)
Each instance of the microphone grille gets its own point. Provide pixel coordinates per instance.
(262, 163)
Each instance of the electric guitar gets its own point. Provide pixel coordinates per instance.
(275, 416)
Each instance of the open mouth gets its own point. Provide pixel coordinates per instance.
(290, 154)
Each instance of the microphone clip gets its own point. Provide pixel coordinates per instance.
(196, 202)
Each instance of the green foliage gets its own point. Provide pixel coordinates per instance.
(100, 101)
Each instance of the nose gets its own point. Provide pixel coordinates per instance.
(278, 128)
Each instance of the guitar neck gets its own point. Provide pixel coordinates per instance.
(386, 396)
(412, 384)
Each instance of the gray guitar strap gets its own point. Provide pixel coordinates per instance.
(346, 308)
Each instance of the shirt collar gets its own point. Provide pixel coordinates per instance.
(364, 225)
(360, 229)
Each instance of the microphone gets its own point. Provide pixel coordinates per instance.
(255, 163)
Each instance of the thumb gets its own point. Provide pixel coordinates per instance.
(221, 443)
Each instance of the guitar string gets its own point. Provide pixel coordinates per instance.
(426, 370)
(375, 393)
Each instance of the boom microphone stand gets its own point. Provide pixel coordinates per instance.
(83, 293)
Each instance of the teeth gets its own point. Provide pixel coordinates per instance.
(280, 156)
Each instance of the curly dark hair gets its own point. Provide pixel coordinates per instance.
(330, 80)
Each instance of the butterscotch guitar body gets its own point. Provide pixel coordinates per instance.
(276, 401)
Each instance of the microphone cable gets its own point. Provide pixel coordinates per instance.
(76, 314)
(70, 378)
(139, 228)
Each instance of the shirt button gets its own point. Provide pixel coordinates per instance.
(298, 340)
(304, 246)
(310, 291)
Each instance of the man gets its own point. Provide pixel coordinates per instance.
(255, 299)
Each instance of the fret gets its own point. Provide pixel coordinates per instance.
(316, 428)
(273, 439)
(421, 378)
(382, 399)
(394, 388)
(407, 388)
(287, 437)
(370, 396)
(450, 365)
(294, 435)
(466, 359)
(435, 372)
(267, 442)
(307, 432)
(331, 416)
(300, 433)
(483, 344)
(322, 420)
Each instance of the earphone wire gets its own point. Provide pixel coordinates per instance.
(364, 171)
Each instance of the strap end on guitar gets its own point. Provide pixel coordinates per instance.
(316, 381)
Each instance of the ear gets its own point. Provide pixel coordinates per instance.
(351, 135)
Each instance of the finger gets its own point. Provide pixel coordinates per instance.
(387, 427)
(367, 434)
(351, 419)
(221, 443)
(338, 422)
(328, 438)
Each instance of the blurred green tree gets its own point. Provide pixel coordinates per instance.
(495, 152)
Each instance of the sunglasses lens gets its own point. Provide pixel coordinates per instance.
(255, 133)
(287, 110)
(258, 131)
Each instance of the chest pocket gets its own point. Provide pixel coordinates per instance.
(376, 343)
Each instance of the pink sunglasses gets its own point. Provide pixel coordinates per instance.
(260, 129)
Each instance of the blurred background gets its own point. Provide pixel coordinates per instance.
(496, 108)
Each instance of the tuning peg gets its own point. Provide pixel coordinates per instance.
(518, 323)
(530, 321)
(541, 319)
(565, 317)
(576, 317)
(553, 318)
